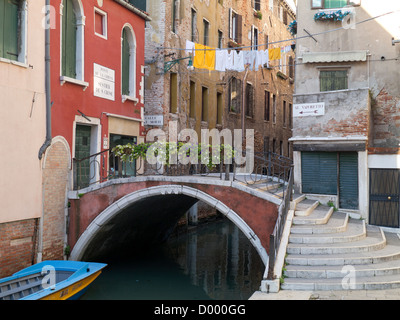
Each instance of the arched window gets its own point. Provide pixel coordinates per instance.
(13, 30)
(72, 39)
(128, 65)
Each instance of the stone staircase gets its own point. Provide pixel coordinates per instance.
(328, 250)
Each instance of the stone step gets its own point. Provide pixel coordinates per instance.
(360, 283)
(389, 253)
(306, 207)
(354, 232)
(337, 223)
(322, 272)
(374, 241)
(320, 215)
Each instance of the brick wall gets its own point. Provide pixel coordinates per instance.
(386, 120)
(347, 113)
(55, 179)
(17, 245)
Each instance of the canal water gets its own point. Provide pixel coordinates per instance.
(214, 261)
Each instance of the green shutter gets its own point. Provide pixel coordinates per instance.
(69, 40)
(125, 62)
(9, 29)
(82, 151)
(319, 172)
(348, 180)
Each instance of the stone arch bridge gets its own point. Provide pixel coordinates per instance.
(145, 209)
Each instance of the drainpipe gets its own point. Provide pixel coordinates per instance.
(47, 142)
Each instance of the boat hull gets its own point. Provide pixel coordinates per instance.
(74, 291)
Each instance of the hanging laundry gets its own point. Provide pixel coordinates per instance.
(209, 62)
(220, 60)
(204, 58)
(199, 58)
(249, 58)
(265, 58)
(274, 54)
(238, 61)
(229, 60)
(190, 48)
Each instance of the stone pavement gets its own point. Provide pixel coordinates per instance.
(389, 294)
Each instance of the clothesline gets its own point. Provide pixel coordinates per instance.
(205, 57)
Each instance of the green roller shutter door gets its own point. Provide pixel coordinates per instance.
(319, 172)
(348, 180)
(9, 29)
(69, 28)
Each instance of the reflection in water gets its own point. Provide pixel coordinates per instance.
(213, 261)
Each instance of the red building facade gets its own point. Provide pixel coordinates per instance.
(97, 96)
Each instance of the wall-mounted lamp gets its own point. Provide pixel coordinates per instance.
(395, 41)
(170, 64)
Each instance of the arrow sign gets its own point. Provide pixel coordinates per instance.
(309, 109)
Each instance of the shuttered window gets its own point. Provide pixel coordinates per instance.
(69, 28)
(9, 29)
(125, 62)
(332, 80)
(335, 3)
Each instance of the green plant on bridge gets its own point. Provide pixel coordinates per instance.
(186, 153)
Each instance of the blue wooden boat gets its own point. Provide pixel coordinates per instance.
(50, 280)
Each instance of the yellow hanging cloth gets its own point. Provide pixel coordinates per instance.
(204, 59)
(274, 54)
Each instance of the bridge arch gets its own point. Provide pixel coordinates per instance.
(170, 189)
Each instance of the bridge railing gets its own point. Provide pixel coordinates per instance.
(107, 165)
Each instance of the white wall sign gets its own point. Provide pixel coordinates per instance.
(103, 82)
(154, 120)
(309, 109)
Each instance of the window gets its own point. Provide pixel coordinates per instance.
(219, 108)
(72, 57)
(235, 26)
(331, 4)
(266, 144)
(175, 4)
(194, 25)
(192, 113)
(12, 30)
(332, 80)
(267, 107)
(290, 116)
(274, 108)
(235, 95)
(206, 31)
(254, 38)
(128, 68)
(249, 106)
(256, 5)
(204, 104)
(100, 23)
(291, 68)
(284, 113)
(173, 93)
(220, 38)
